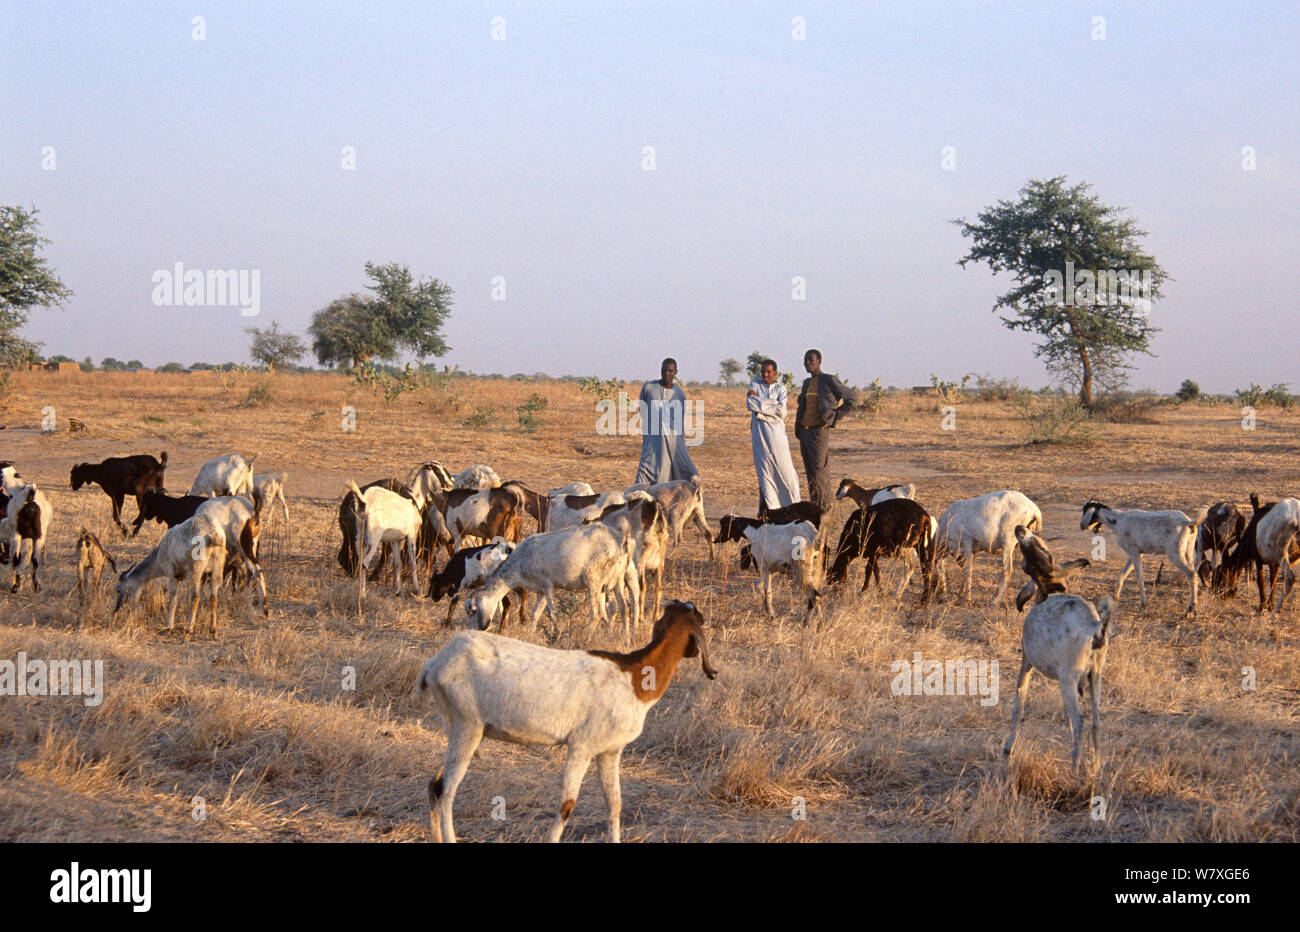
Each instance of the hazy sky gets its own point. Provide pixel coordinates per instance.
(774, 158)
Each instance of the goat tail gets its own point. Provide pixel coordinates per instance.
(163, 458)
(355, 490)
(251, 460)
(1105, 609)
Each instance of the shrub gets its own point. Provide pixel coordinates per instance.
(260, 394)
(1127, 407)
(1055, 420)
(1188, 391)
(949, 392)
(988, 388)
(481, 418)
(1256, 396)
(528, 411)
(598, 387)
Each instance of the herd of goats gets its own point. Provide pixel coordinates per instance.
(610, 545)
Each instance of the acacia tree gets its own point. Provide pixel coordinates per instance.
(1082, 282)
(728, 369)
(401, 314)
(25, 282)
(273, 347)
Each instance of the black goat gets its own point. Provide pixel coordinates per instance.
(120, 476)
(168, 509)
(886, 529)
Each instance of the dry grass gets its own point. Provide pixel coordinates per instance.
(258, 725)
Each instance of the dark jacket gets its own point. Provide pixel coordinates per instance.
(829, 390)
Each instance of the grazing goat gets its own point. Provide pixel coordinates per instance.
(849, 488)
(347, 555)
(1220, 531)
(120, 476)
(1065, 638)
(593, 702)
(484, 515)
(732, 527)
(643, 520)
(168, 509)
(191, 551)
(24, 528)
(386, 517)
(431, 477)
(984, 524)
(788, 548)
(535, 505)
(1270, 539)
(271, 486)
(573, 510)
(476, 477)
(893, 527)
(91, 559)
(573, 488)
(241, 521)
(683, 501)
(1171, 533)
(466, 570)
(1045, 578)
(592, 557)
(226, 475)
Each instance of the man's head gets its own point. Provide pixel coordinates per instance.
(668, 371)
(769, 371)
(812, 361)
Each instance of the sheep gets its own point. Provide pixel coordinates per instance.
(191, 551)
(466, 570)
(477, 477)
(386, 517)
(1065, 639)
(1218, 534)
(168, 509)
(593, 557)
(484, 515)
(892, 527)
(1045, 578)
(984, 524)
(25, 528)
(643, 519)
(226, 475)
(91, 559)
(241, 521)
(1247, 554)
(849, 488)
(120, 476)
(683, 500)
(593, 702)
(271, 486)
(573, 510)
(793, 548)
(1171, 533)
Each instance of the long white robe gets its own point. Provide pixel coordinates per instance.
(778, 483)
(663, 448)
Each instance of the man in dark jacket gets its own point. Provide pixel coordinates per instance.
(823, 400)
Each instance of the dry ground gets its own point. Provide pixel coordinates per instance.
(257, 724)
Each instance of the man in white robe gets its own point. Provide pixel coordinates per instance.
(778, 483)
(662, 406)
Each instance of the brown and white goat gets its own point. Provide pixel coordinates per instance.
(1045, 577)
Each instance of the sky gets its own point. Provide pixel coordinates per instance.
(523, 158)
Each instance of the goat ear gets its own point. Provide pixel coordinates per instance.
(1025, 594)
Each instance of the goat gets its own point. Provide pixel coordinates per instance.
(984, 524)
(169, 510)
(486, 514)
(476, 477)
(534, 504)
(191, 551)
(573, 510)
(732, 527)
(10, 481)
(1171, 533)
(643, 519)
(849, 488)
(1218, 534)
(889, 528)
(241, 521)
(466, 570)
(591, 557)
(271, 486)
(1246, 555)
(1040, 566)
(386, 517)
(91, 559)
(226, 475)
(793, 548)
(120, 476)
(431, 477)
(1064, 638)
(593, 702)
(573, 488)
(683, 501)
(25, 528)
(347, 556)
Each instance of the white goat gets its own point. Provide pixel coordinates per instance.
(226, 475)
(1065, 639)
(1273, 536)
(788, 548)
(1171, 533)
(24, 526)
(984, 524)
(592, 557)
(573, 510)
(271, 487)
(386, 517)
(476, 477)
(240, 519)
(643, 519)
(190, 551)
(683, 500)
(593, 702)
(573, 488)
